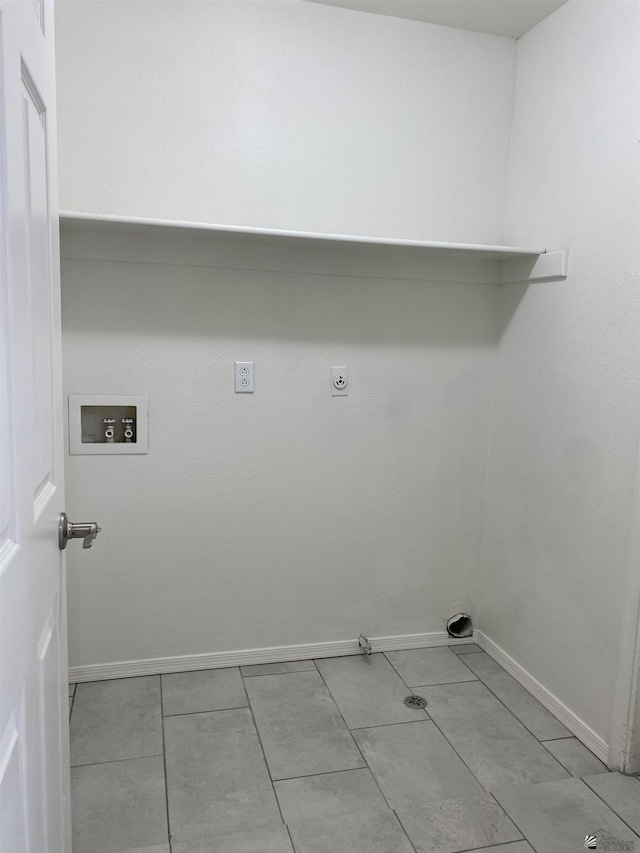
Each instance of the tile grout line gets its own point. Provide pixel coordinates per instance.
(324, 773)
(561, 737)
(425, 719)
(402, 826)
(286, 826)
(118, 760)
(442, 684)
(164, 764)
(524, 837)
(410, 689)
(314, 668)
(584, 782)
(513, 713)
(264, 754)
(499, 844)
(209, 711)
(357, 745)
(544, 743)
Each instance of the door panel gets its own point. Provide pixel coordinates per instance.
(8, 534)
(34, 760)
(12, 785)
(52, 720)
(38, 271)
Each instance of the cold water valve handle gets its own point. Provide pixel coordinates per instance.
(87, 530)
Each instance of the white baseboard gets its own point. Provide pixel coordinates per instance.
(246, 657)
(339, 648)
(576, 726)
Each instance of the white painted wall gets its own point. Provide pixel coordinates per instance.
(624, 752)
(283, 114)
(287, 516)
(565, 420)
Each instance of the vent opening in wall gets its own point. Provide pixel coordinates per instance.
(460, 625)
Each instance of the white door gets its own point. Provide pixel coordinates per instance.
(34, 774)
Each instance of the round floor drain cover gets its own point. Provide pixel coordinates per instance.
(415, 702)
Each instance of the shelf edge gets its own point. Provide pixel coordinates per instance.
(70, 218)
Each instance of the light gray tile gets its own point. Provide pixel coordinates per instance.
(520, 702)
(465, 649)
(117, 719)
(205, 690)
(368, 690)
(490, 740)
(557, 816)
(356, 833)
(575, 757)
(449, 826)
(620, 792)
(255, 841)
(216, 775)
(429, 666)
(119, 806)
(300, 726)
(278, 668)
(329, 795)
(413, 762)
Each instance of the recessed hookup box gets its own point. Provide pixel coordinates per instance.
(108, 424)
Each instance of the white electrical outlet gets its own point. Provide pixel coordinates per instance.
(339, 381)
(243, 374)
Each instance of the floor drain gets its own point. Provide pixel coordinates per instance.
(414, 701)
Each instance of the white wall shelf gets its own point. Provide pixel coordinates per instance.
(91, 221)
(517, 263)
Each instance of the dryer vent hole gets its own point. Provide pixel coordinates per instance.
(460, 625)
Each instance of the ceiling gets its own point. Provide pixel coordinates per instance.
(510, 18)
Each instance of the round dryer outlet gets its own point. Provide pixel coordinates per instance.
(339, 381)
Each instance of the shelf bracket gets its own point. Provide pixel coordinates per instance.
(550, 266)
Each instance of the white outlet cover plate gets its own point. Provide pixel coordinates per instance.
(339, 372)
(243, 377)
(77, 448)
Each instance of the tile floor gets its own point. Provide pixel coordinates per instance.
(324, 757)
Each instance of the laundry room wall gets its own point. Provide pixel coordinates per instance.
(566, 412)
(286, 517)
